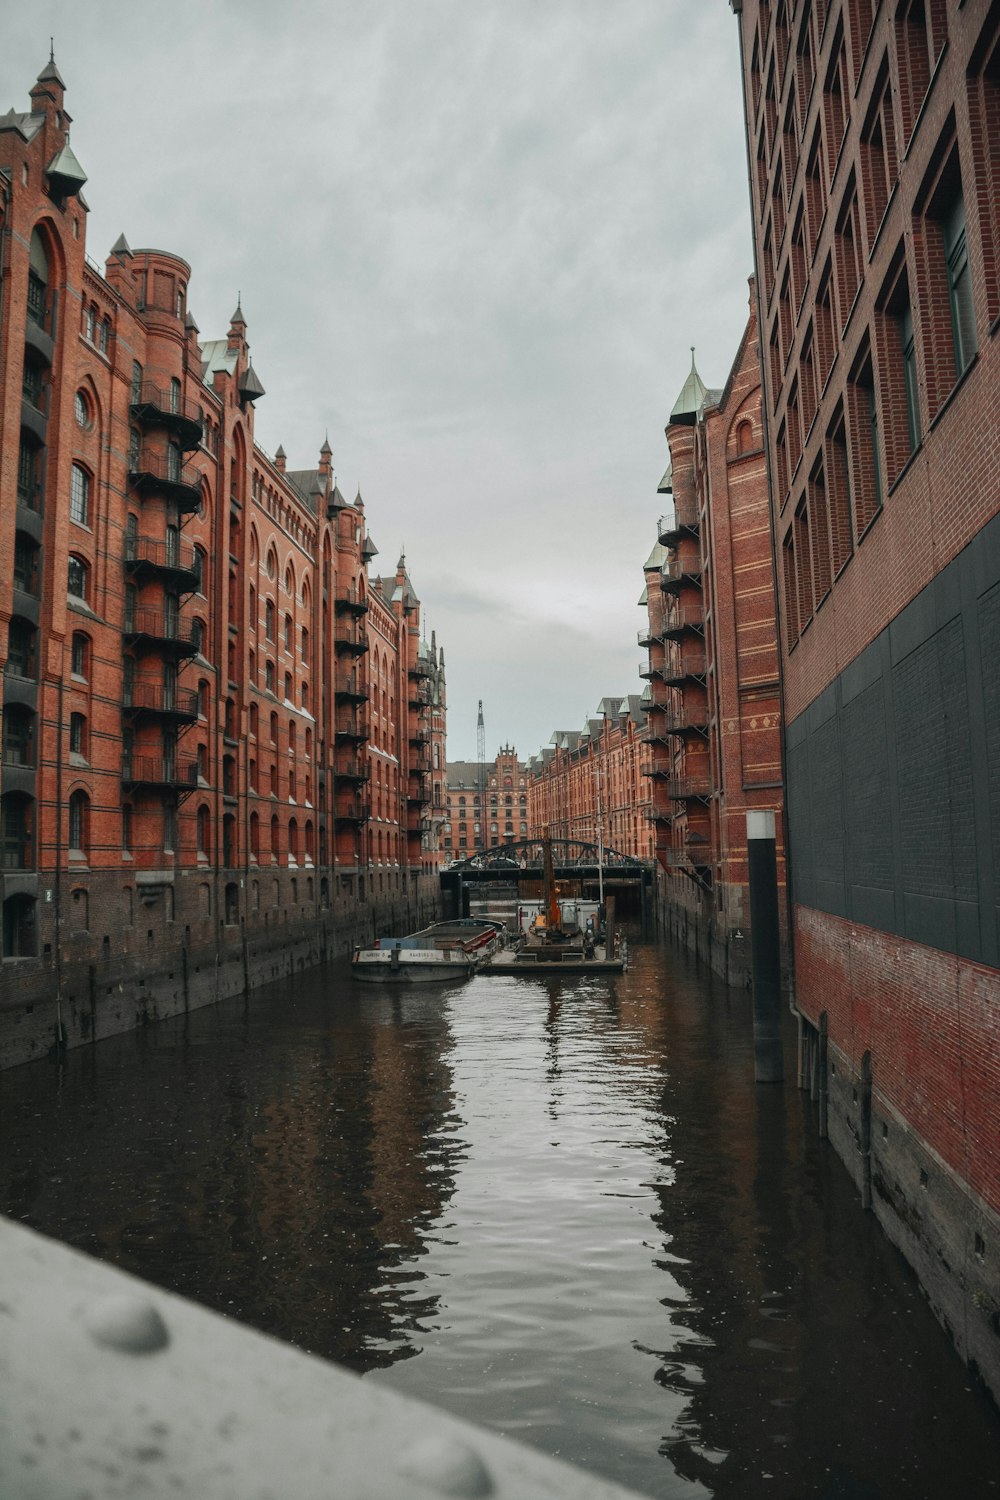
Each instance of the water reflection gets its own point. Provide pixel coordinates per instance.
(278, 1163)
(561, 1208)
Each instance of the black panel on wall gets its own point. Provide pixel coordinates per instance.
(894, 771)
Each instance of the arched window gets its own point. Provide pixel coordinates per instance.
(269, 619)
(744, 437)
(79, 823)
(175, 394)
(79, 495)
(275, 836)
(288, 633)
(78, 736)
(204, 831)
(310, 849)
(78, 577)
(274, 729)
(293, 841)
(254, 835)
(105, 337)
(254, 720)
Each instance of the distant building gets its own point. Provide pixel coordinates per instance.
(714, 707)
(592, 785)
(487, 804)
(215, 727)
(874, 139)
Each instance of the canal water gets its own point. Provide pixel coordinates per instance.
(561, 1209)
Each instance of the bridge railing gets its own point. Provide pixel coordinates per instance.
(105, 1375)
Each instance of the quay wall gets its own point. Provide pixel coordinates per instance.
(910, 1107)
(152, 951)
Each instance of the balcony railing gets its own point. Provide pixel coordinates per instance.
(351, 727)
(350, 692)
(689, 788)
(351, 810)
(159, 770)
(698, 854)
(420, 668)
(353, 638)
(172, 557)
(352, 770)
(688, 718)
(144, 623)
(155, 406)
(677, 571)
(345, 601)
(161, 698)
(685, 668)
(681, 620)
(681, 521)
(154, 474)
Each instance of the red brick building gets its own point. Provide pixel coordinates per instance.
(593, 784)
(714, 710)
(487, 804)
(874, 142)
(216, 731)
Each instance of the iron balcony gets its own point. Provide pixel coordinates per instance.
(160, 771)
(158, 698)
(681, 522)
(153, 627)
(173, 560)
(152, 474)
(677, 572)
(352, 639)
(154, 407)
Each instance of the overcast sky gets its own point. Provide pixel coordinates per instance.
(474, 242)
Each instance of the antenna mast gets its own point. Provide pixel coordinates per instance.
(481, 758)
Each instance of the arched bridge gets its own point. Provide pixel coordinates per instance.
(569, 856)
(502, 876)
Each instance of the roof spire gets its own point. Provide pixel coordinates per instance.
(237, 318)
(689, 402)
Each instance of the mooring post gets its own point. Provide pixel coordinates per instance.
(765, 947)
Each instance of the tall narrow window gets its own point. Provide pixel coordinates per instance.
(963, 318)
(79, 810)
(908, 351)
(79, 496)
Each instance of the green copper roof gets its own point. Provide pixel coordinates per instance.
(688, 403)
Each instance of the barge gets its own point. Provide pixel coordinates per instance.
(443, 952)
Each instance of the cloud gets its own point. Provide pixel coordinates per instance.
(474, 243)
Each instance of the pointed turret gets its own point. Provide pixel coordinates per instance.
(326, 459)
(689, 402)
(280, 459)
(65, 174)
(238, 320)
(50, 73)
(249, 387)
(121, 247)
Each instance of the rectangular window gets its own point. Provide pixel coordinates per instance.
(963, 317)
(904, 324)
(79, 496)
(849, 256)
(838, 493)
(865, 447)
(25, 564)
(836, 92)
(31, 384)
(819, 513)
(27, 475)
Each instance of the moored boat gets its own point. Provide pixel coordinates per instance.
(443, 952)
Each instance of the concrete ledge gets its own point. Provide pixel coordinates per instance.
(114, 1389)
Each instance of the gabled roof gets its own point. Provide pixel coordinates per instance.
(26, 125)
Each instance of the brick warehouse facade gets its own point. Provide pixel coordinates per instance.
(874, 147)
(595, 781)
(714, 711)
(487, 804)
(217, 730)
